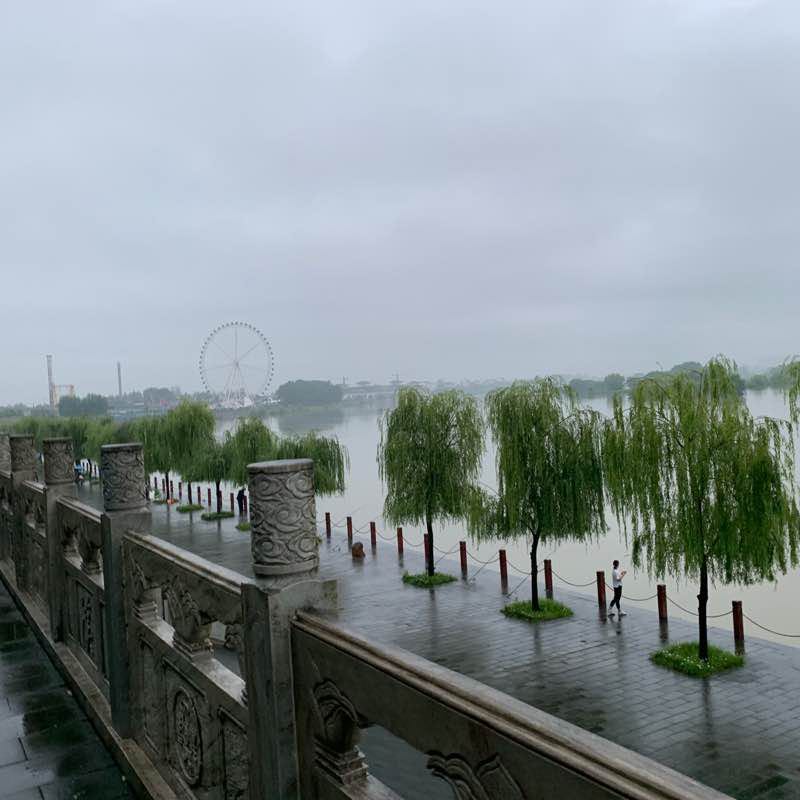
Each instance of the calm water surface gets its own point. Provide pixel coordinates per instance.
(772, 604)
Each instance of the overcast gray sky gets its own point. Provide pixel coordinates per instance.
(440, 189)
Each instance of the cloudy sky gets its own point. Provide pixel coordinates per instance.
(439, 188)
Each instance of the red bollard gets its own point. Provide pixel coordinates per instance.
(155, 483)
(209, 498)
(198, 496)
(601, 588)
(548, 578)
(738, 623)
(400, 542)
(180, 490)
(426, 549)
(350, 530)
(503, 567)
(163, 486)
(171, 489)
(662, 602)
(232, 503)
(328, 524)
(462, 547)
(373, 535)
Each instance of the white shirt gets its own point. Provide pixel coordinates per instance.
(616, 578)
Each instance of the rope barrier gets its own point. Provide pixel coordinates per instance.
(478, 571)
(475, 558)
(769, 630)
(635, 599)
(570, 583)
(695, 614)
(514, 590)
(448, 553)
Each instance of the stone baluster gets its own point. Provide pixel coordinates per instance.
(23, 468)
(125, 509)
(285, 551)
(59, 480)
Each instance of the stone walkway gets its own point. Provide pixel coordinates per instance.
(738, 732)
(48, 749)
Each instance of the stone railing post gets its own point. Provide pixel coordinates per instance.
(5, 453)
(125, 509)
(6, 512)
(59, 481)
(23, 468)
(285, 551)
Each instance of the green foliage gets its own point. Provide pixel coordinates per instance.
(683, 658)
(212, 516)
(189, 507)
(309, 393)
(243, 526)
(429, 457)
(251, 441)
(425, 581)
(93, 405)
(549, 469)
(188, 430)
(708, 490)
(548, 609)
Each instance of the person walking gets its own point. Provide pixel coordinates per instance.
(240, 501)
(617, 575)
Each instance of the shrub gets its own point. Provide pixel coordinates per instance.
(185, 509)
(684, 658)
(425, 581)
(243, 526)
(211, 516)
(548, 609)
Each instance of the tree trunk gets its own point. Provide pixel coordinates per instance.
(429, 551)
(166, 483)
(219, 499)
(535, 573)
(702, 603)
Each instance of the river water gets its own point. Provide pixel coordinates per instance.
(771, 604)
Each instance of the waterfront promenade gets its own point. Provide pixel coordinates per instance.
(738, 732)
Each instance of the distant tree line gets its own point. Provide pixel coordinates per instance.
(309, 393)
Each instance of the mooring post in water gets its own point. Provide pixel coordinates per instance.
(231, 502)
(373, 535)
(503, 568)
(548, 578)
(400, 542)
(198, 497)
(462, 549)
(180, 490)
(738, 623)
(209, 497)
(601, 588)
(171, 489)
(155, 483)
(349, 530)
(328, 524)
(661, 589)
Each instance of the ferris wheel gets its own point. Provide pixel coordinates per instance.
(236, 364)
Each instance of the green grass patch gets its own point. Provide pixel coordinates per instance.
(185, 509)
(548, 609)
(683, 658)
(425, 581)
(243, 526)
(211, 516)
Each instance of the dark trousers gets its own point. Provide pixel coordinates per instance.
(617, 596)
(240, 503)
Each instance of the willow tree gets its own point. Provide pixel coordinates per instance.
(549, 470)
(707, 488)
(213, 462)
(429, 458)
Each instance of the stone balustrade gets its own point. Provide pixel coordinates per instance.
(129, 618)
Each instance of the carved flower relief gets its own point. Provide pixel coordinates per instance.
(337, 716)
(488, 780)
(190, 622)
(188, 738)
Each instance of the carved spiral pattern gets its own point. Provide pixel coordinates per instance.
(283, 517)
(59, 464)
(123, 477)
(188, 740)
(23, 453)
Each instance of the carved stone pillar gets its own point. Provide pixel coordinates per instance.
(23, 456)
(125, 509)
(283, 517)
(5, 453)
(59, 479)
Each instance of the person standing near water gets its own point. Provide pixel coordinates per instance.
(240, 501)
(617, 575)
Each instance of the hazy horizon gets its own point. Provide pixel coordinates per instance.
(450, 191)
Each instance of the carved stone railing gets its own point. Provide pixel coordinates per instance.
(30, 544)
(79, 579)
(187, 709)
(6, 514)
(481, 742)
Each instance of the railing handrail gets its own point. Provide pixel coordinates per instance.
(605, 762)
(34, 486)
(226, 579)
(81, 508)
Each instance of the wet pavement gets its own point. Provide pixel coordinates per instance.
(738, 732)
(48, 748)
